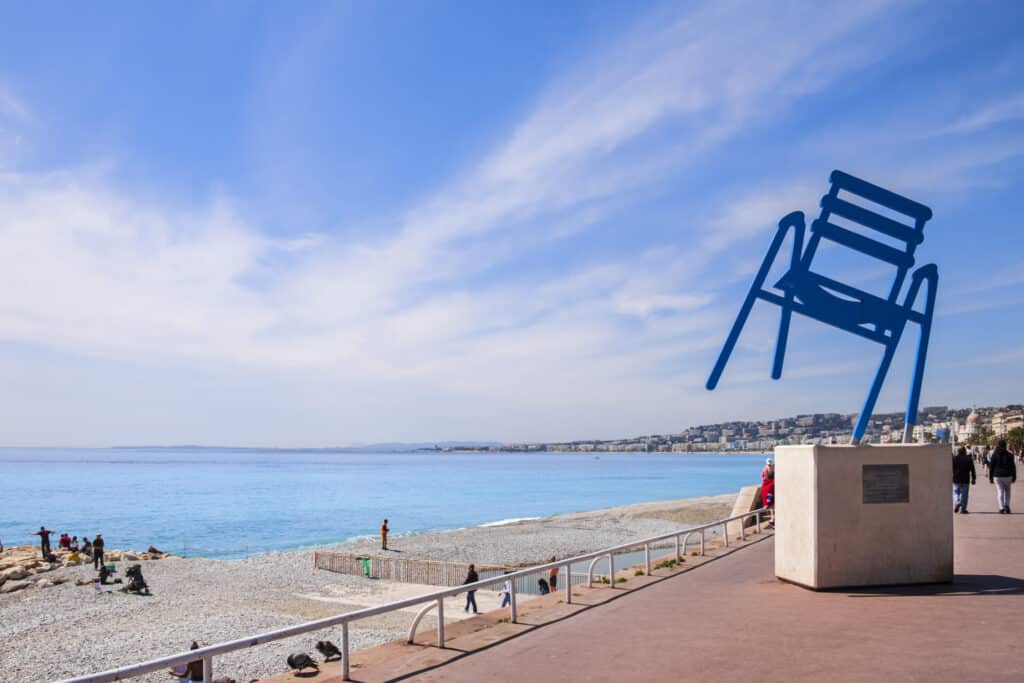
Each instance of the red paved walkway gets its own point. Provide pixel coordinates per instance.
(732, 621)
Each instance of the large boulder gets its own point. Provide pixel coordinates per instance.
(128, 556)
(44, 583)
(11, 586)
(14, 573)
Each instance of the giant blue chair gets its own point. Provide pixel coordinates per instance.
(802, 290)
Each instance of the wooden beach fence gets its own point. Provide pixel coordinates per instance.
(426, 572)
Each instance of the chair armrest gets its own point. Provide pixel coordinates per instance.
(929, 273)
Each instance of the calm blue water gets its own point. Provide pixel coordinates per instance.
(236, 503)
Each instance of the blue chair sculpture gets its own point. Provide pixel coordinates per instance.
(848, 308)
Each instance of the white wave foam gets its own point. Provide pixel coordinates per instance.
(511, 520)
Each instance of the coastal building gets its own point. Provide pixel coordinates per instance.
(1006, 421)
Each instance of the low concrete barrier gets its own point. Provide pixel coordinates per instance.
(748, 500)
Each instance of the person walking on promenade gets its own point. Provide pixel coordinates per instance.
(44, 540)
(384, 535)
(97, 551)
(769, 467)
(553, 575)
(471, 577)
(506, 592)
(964, 475)
(1002, 471)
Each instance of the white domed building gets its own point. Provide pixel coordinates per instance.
(968, 429)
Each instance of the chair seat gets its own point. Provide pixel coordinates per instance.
(847, 307)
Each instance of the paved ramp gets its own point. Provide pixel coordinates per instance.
(732, 621)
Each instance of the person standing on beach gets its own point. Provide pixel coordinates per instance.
(471, 577)
(1002, 471)
(553, 575)
(384, 535)
(44, 540)
(97, 551)
(964, 475)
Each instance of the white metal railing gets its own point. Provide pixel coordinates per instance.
(433, 600)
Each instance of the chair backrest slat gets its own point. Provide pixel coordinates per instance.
(870, 218)
(882, 196)
(865, 245)
(859, 214)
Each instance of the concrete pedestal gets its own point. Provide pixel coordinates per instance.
(863, 515)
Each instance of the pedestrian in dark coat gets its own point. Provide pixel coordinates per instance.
(964, 475)
(1002, 471)
(471, 577)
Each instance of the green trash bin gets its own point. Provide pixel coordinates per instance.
(365, 561)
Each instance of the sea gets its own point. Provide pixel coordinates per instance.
(234, 503)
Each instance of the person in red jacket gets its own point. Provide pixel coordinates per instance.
(768, 495)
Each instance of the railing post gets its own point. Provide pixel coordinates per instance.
(758, 518)
(725, 533)
(208, 669)
(440, 622)
(677, 548)
(702, 542)
(647, 558)
(512, 603)
(743, 524)
(568, 584)
(344, 651)
(611, 569)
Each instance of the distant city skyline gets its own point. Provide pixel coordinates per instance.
(322, 224)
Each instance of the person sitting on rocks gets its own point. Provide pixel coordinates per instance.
(64, 542)
(86, 546)
(73, 545)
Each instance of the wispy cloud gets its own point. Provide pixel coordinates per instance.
(13, 107)
(99, 271)
(1010, 108)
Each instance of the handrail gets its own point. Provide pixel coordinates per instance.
(209, 652)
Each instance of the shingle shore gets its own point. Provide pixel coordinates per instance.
(66, 630)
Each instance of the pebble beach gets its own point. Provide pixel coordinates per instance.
(66, 630)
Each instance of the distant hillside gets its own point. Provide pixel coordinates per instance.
(388, 447)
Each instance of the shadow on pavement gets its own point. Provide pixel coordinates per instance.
(963, 584)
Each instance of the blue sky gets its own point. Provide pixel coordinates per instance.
(318, 224)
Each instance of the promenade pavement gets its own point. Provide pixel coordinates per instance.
(731, 620)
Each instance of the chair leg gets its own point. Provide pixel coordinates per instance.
(929, 275)
(794, 220)
(780, 341)
(734, 335)
(876, 388)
